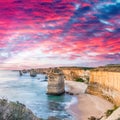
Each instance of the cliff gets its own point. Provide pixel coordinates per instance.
(105, 82)
(72, 73)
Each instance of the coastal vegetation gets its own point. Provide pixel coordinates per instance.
(110, 111)
(79, 80)
(108, 115)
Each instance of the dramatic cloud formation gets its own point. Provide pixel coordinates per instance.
(44, 33)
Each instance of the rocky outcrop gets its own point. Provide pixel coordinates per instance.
(15, 111)
(55, 82)
(105, 82)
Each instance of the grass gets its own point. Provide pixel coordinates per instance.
(110, 111)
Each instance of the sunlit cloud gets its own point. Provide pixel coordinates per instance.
(44, 33)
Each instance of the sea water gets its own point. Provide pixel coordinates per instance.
(31, 91)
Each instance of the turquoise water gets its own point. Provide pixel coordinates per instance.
(32, 92)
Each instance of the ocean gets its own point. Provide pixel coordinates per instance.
(31, 91)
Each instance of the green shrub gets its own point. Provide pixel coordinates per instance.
(110, 111)
(79, 80)
(3, 102)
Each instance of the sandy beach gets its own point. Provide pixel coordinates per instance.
(87, 105)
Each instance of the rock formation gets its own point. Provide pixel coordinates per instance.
(33, 73)
(24, 71)
(55, 82)
(15, 111)
(70, 73)
(105, 82)
(20, 72)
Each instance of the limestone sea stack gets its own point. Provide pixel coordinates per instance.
(24, 71)
(20, 72)
(55, 82)
(33, 73)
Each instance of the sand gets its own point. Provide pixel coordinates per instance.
(87, 105)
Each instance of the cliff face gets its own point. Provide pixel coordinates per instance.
(70, 73)
(73, 73)
(105, 81)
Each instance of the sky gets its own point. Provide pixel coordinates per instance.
(48, 33)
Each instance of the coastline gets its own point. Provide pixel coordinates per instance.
(87, 105)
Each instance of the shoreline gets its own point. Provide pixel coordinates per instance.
(74, 110)
(87, 105)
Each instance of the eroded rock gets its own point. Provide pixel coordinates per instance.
(55, 82)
